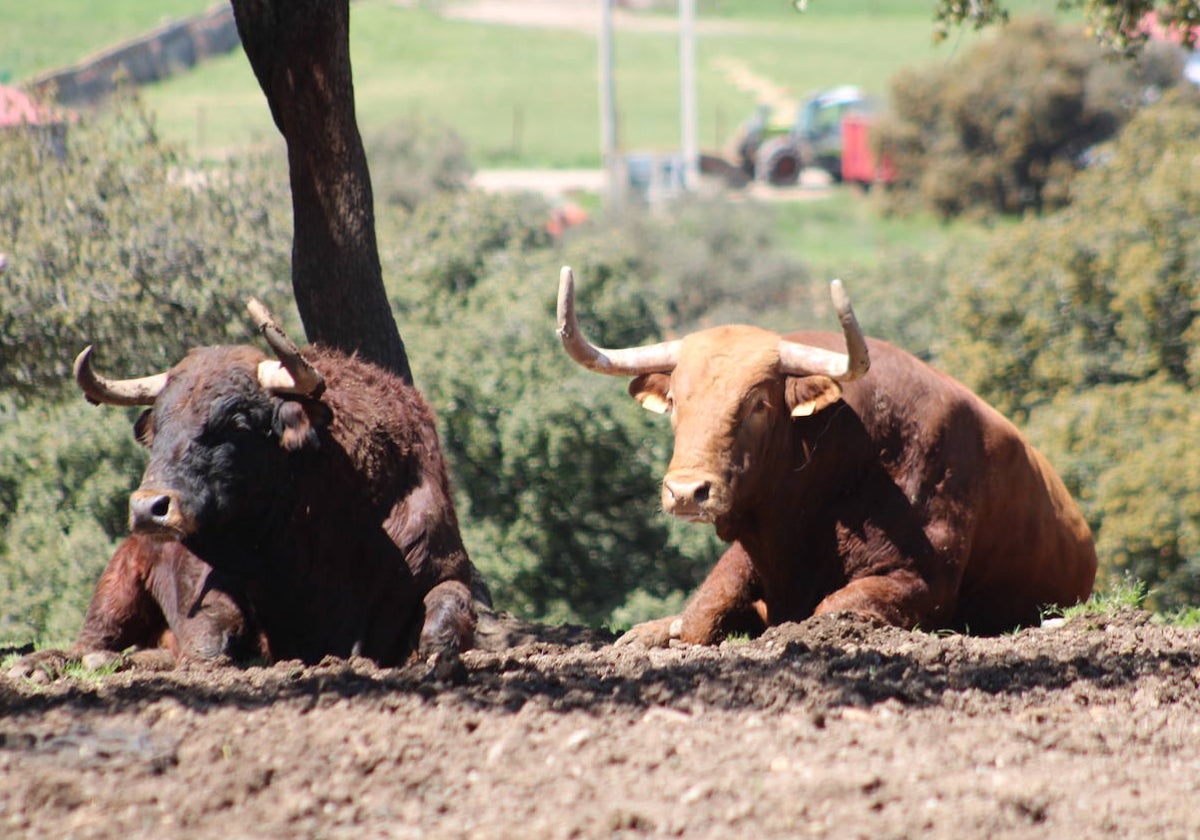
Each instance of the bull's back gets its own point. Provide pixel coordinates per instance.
(1026, 543)
(1031, 547)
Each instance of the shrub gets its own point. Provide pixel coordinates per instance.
(413, 160)
(1105, 291)
(1005, 128)
(1126, 451)
(1085, 323)
(66, 470)
(120, 244)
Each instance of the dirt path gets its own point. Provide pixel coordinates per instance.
(578, 16)
(584, 16)
(829, 728)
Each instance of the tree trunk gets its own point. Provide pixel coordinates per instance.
(300, 53)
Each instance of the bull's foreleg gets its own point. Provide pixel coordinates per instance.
(899, 599)
(449, 625)
(727, 602)
(121, 614)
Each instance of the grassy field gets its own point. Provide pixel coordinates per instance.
(528, 97)
(520, 96)
(48, 34)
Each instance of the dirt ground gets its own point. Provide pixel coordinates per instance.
(832, 727)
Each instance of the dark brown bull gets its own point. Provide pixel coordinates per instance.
(290, 509)
(894, 493)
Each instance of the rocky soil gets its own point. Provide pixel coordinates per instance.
(832, 728)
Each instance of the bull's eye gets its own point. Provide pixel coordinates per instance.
(230, 426)
(757, 404)
(143, 429)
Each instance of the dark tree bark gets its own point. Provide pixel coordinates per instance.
(300, 53)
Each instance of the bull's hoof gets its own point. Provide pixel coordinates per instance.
(658, 633)
(158, 659)
(40, 667)
(447, 667)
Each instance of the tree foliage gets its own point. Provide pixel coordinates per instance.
(414, 159)
(66, 470)
(1085, 325)
(1122, 23)
(122, 245)
(1005, 127)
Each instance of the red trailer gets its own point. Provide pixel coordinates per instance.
(859, 165)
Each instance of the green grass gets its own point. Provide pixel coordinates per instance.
(1126, 593)
(48, 34)
(521, 97)
(528, 97)
(846, 230)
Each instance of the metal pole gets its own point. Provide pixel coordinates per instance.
(608, 110)
(687, 92)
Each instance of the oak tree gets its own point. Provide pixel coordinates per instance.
(300, 53)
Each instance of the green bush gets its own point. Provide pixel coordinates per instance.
(1085, 323)
(122, 245)
(1127, 452)
(66, 471)
(117, 243)
(1105, 291)
(1004, 128)
(414, 159)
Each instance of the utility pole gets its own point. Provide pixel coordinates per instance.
(614, 189)
(687, 93)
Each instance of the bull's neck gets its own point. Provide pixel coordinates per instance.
(790, 524)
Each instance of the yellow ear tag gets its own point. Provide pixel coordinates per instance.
(653, 402)
(827, 392)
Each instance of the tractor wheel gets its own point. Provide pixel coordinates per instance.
(778, 163)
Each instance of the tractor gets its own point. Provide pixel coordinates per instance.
(817, 137)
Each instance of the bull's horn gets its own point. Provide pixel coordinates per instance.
(629, 361)
(101, 391)
(291, 374)
(802, 360)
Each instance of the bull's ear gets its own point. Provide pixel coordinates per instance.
(806, 395)
(651, 389)
(297, 423)
(143, 428)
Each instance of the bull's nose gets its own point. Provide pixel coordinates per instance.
(691, 495)
(153, 510)
(688, 492)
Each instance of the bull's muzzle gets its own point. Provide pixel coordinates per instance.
(693, 495)
(157, 513)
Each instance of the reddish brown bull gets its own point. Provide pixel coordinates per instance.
(290, 509)
(862, 481)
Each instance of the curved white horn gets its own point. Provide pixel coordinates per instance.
(627, 361)
(803, 360)
(98, 390)
(292, 374)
